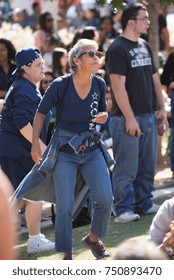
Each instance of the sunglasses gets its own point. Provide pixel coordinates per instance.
(91, 54)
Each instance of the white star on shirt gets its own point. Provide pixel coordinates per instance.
(94, 96)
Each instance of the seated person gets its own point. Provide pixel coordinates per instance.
(162, 227)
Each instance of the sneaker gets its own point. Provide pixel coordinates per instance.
(127, 217)
(39, 244)
(153, 209)
(97, 249)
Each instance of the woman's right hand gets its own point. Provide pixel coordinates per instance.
(37, 151)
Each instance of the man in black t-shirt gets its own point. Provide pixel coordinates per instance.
(133, 126)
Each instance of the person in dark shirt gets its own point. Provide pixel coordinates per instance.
(92, 17)
(136, 90)
(59, 62)
(107, 33)
(78, 147)
(17, 116)
(7, 65)
(43, 35)
(34, 17)
(167, 79)
(83, 104)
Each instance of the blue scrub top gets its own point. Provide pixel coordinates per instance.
(20, 106)
(76, 113)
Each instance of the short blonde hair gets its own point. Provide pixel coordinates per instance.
(78, 49)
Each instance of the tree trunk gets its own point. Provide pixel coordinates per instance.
(154, 30)
(154, 43)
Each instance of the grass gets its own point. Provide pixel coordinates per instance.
(117, 233)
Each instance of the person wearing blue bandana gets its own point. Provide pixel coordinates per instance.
(20, 105)
(137, 103)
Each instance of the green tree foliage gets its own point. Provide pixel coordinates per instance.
(119, 4)
(169, 2)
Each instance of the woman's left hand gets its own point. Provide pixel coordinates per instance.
(101, 117)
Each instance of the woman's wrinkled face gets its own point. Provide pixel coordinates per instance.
(89, 60)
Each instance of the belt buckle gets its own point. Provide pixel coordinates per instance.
(82, 148)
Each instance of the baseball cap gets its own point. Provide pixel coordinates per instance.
(26, 56)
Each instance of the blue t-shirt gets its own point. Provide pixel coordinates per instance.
(20, 106)
(76, 113)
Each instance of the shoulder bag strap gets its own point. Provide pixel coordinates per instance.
(98, 82)
(59, 107)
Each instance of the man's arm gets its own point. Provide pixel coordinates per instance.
(121, 97)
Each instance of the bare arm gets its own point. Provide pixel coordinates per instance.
(27, 132)
(101, 117)
(121, 97)
(37, 149)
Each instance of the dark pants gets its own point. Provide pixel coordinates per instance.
(16, 168)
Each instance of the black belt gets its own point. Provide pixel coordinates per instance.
(82, 149)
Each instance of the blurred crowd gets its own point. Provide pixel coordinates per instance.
(54, 37)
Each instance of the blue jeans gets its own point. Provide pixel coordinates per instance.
(95, 173)
(133, 174)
